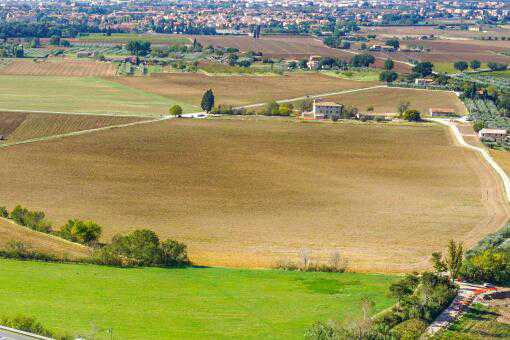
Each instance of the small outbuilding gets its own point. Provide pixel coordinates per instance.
(493, 134)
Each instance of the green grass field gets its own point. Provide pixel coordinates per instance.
(81, 95)
(447, 67)
(355, 75)
(478, 323)
(156, 303)
(126, 37)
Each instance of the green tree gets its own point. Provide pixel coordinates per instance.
(453, 259)
(84, 232)
(4, 212)
(393, 42)
(403, 107)
(389, 64)
(207, 101)
(303, 64)
(478, 125)
(176, 111)
(388, 76)
(139, 47)
(475, 64)
(423, 69)
(460, 65)
(412, 116)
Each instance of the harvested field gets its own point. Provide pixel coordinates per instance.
(85, 95)
(386, 100)
(287, 47)
(414, 31)
(454, 50)
(10, 122)
(60, 67)
(25, 126)
(40, 242)
(249, 193)
(239, 90)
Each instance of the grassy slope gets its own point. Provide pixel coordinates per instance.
(478, 323)
(80, 95)
(155, 303)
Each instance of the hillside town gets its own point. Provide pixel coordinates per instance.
(240, 17)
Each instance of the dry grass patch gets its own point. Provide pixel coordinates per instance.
(60, 67)
(239, 90)
(386, 100)
(23, 126)
(248, 193)
(40, 242)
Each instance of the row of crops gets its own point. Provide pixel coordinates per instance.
(485, 111)
(502, 83)
(98, 49)
(40, 52)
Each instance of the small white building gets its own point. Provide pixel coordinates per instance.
(495, 134)
(314, 62)
(323, 110)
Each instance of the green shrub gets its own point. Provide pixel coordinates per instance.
(84, 232)
(20, 251)
(4, 212)
(142, 248)
(26, 324)
(409, 330)
(32, 219)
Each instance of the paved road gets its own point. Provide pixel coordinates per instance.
(4, 335)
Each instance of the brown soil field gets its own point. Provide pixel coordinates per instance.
(60, 67)
(250, 193)
(10, 122)
(453, 50)
(23, 126)
(40, 242)
(385, 100)
(239, 90)
(402, 31)
(286, 47)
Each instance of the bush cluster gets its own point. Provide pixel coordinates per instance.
(335, 264)
(31, 325)
(142, 248)
(489, 260)
(83, 232)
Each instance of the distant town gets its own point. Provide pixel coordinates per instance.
(69, 18)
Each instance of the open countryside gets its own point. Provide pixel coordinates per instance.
(268, 170)
(278, 188)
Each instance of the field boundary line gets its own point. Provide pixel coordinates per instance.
(83, 132)
(75, 113)
(313, 96)
(485, 154)
(60, 239)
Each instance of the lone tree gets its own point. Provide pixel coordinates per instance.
(423, 69)
(176, 111)
(460, 65)
(389, 64)
(475, 64)
(452, 262)
(388, 76)
(207, 101)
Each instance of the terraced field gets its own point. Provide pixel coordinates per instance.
(59, 67)
(23, 126)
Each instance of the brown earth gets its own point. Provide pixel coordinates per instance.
(60, 67)
(40, 242)
(386, 100)
(249, 193)
(23, 126)
(239, 90)
(10, 122)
